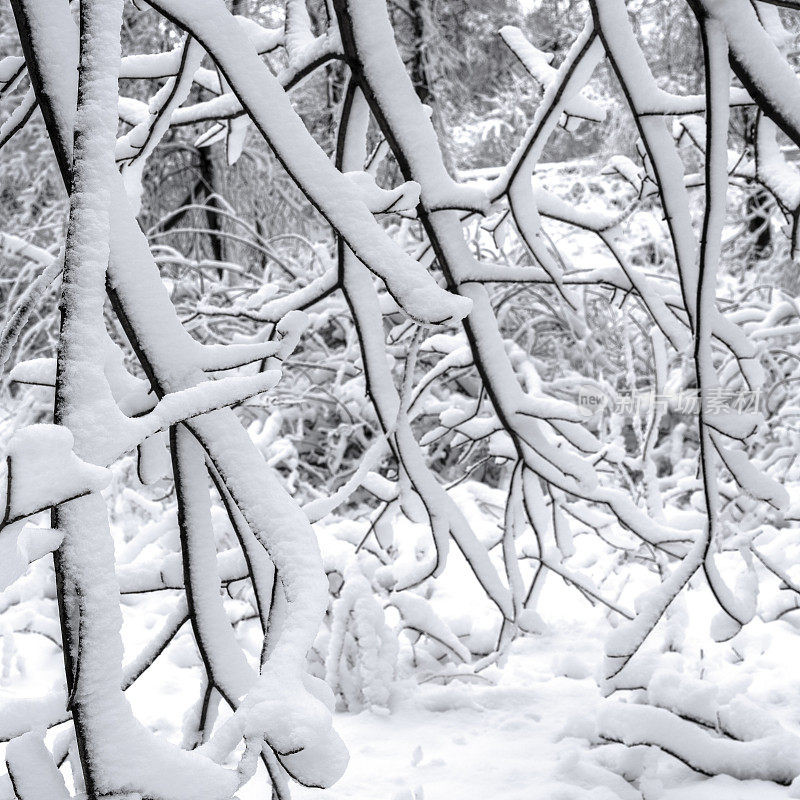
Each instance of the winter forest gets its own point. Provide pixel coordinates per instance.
(400, 399)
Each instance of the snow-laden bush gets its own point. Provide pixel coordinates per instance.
(360, 663)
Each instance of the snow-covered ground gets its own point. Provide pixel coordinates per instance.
(525, 730)
(526, 738)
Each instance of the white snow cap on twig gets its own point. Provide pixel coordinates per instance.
(538, 65)
(43, 471)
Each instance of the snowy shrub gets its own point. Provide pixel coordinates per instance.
(361, 660)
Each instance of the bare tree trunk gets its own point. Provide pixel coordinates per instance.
(210, 188)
